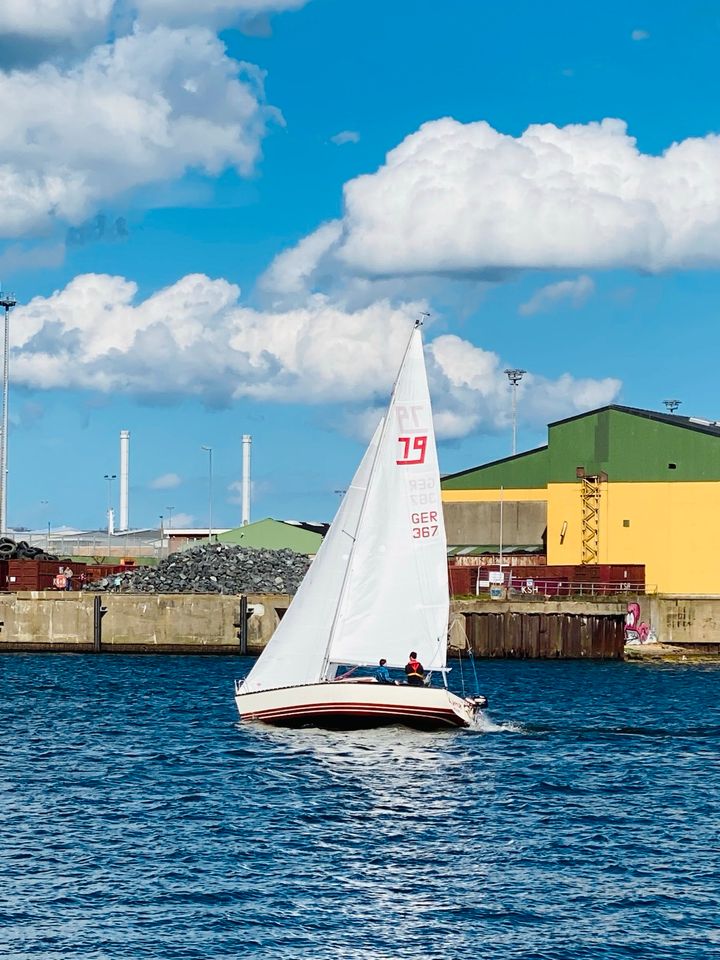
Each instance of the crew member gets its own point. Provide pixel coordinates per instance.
(414, 671)
(382, 674)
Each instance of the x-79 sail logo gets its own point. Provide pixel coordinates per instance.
(413, 450)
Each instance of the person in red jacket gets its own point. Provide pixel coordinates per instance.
(414, 671)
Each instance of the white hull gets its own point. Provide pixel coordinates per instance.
(360, 703)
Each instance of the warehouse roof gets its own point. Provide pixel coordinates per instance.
(270, 534)
(628, 444)
(700, 424)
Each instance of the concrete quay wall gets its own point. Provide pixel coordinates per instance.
(691, 622)
(136, 623)
(206, 623)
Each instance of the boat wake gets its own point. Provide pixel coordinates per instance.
(483, 723)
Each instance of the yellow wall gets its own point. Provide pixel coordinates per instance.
(491, 496)
(674, 530)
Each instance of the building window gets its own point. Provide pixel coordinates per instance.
(672, 466)
(626, 523)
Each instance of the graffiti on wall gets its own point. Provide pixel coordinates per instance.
(636, 630)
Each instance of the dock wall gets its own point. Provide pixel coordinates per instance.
(690, 622)
(136, 623)
(549, 629)
(208, 624)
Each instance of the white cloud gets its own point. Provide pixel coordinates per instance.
(345, 136)
(640, 35)
(459, 200)
(166, 481)
(78, 22)
(194, 338)
(214, 13)
(181, 521)
(311, 267)
(54, 20)
(145, 109)
(294, 272)
(576, 291)
(475, 394)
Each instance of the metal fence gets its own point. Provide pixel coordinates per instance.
(527, 587)
(100, 544)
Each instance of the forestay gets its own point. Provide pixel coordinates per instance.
(395, 597)
(296, 651)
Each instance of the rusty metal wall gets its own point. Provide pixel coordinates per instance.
(493, 560)
(546, 635)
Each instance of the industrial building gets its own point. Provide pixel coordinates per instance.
(617, 485)
(297, 535)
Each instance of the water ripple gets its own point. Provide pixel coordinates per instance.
(577, 821)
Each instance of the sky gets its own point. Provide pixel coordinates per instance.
(222, 217)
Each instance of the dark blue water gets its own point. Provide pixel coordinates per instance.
(138, 819)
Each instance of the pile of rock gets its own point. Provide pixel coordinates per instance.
(214, 568)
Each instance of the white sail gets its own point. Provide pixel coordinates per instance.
(395, 597)
(296, 652)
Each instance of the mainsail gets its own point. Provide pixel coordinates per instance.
(395, 596)
(378, 586)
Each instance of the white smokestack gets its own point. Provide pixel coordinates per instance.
(124, 479)
(246, 442)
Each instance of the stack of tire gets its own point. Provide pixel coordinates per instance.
(9, 550)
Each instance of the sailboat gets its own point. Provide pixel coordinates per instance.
(377, 588)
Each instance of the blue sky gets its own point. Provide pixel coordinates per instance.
(201, 178)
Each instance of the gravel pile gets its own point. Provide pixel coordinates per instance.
(216, 568)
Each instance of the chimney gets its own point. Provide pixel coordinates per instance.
(124, 479)
(246, 442)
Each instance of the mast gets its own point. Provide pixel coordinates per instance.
(348, 570)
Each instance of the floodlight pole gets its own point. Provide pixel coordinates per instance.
(672, 405)
(7, 301)
(209, 451)
(514, 376)
(46, 504)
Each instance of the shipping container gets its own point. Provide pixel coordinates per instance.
(40, 574)
(98, 571)
(595, 579)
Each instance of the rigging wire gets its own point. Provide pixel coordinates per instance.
(475, 676)
(458, 622)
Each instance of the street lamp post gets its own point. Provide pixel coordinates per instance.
(45, 503)
(209, 451)
(514, 376)
(168, 526)
(162, 536)
(7, 302)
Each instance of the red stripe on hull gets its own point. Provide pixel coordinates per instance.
(345, 715)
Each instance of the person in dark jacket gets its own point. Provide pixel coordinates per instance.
(414, 671)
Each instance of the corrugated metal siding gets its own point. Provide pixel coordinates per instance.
(524, 471)
(551, 580)
(39, 574)
(546, 635)
(631, 449)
